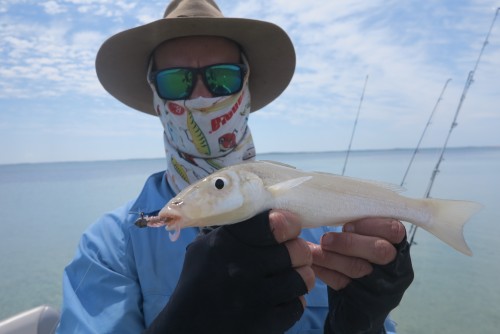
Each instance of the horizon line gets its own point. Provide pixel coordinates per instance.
(263, 153)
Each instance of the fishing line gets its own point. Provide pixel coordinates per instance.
(429, 121)
(468, 83)
(355, 124)
(91, 264)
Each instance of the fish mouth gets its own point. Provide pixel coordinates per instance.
(171, 222)
(156, 221)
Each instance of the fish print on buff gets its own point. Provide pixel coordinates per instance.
(203, 135)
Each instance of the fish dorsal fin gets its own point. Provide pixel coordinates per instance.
(282, 187)
(278, 163)
(389, 186)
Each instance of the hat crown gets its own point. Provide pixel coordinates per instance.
(192, 8)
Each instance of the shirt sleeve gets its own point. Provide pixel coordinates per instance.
(101, 293)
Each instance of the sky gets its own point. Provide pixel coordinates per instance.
(53, 108)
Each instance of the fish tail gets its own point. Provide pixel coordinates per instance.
(448, 220)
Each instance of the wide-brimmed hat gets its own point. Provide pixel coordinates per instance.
(123, 59)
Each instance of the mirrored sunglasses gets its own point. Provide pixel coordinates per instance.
(177, 83)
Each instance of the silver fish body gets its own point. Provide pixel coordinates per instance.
(239, 192)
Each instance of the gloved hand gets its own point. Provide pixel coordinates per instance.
(235, 279)
(364, 304)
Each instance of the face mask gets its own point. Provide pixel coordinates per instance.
(206, 127)
(202, 135)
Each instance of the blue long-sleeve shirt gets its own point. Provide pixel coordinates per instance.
(122, 276)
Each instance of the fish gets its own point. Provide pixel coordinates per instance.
(199, 139)
(239, 192)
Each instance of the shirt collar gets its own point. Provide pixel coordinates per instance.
(153, 197)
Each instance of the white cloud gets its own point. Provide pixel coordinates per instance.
(53, 7)
(47, 59)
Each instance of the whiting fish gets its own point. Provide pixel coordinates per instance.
(239, 192)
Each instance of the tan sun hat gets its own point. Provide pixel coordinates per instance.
(122, 60)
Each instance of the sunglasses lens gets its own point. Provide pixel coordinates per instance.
(175, 83)
(178, 83)
(224, 79)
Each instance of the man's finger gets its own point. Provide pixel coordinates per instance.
(372, 249)
(332, 278)
(300, 252)
(284, 225)
(353, 267)
(386, 228)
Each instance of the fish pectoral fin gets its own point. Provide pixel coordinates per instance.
(282, 187)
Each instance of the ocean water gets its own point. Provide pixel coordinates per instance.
(44, 208)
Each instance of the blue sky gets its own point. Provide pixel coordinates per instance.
(52, 107)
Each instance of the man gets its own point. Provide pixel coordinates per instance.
(205, 74)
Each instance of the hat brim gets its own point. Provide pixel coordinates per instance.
(122, 60)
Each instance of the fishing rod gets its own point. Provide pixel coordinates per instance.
(429, 121)
(468, 83)
(355, 124)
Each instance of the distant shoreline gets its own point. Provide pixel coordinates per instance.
(356, 151)
(427, 149)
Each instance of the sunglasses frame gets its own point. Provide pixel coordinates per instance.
(195, 71)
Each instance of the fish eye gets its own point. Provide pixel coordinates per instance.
(219, 183)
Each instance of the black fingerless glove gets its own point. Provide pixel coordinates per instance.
(365, 303)
(235, 279)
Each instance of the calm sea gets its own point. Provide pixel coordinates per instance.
(44, 208)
